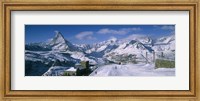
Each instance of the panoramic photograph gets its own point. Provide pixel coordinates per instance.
(100, 50)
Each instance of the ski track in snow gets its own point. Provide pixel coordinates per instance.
(132, 70)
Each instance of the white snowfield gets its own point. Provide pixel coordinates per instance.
(132, 70)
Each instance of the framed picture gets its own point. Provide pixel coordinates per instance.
(100, 49)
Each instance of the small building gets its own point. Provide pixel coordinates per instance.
(70, 72)
(83, 68)
(85, 64)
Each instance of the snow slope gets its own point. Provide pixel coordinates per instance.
(132, 70)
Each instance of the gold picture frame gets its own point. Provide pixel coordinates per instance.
(49, 5)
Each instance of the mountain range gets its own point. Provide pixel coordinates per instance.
(39, 57)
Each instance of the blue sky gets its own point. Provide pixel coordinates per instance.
(88, 34)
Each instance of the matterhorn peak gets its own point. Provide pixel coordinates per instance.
(57, 32)
(59, 43)
(59, 35)
(57, 39)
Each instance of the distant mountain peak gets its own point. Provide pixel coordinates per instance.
(58, 34)
(58, 42)
(113, 39)
(58, 37)
(132, 42)
(166, 39)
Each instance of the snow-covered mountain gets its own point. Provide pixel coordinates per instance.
(129, 49)
(59, 43)
(99, 49)
(140, 38)
(166, 39)
(165, 44)
(41, 56)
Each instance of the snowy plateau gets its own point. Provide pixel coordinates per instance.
(132, 56)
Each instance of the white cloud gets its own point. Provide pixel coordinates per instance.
(122, 31)
(168, 27)
(135, 36)
(85, 35)
(110, 31)
(131, 29)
